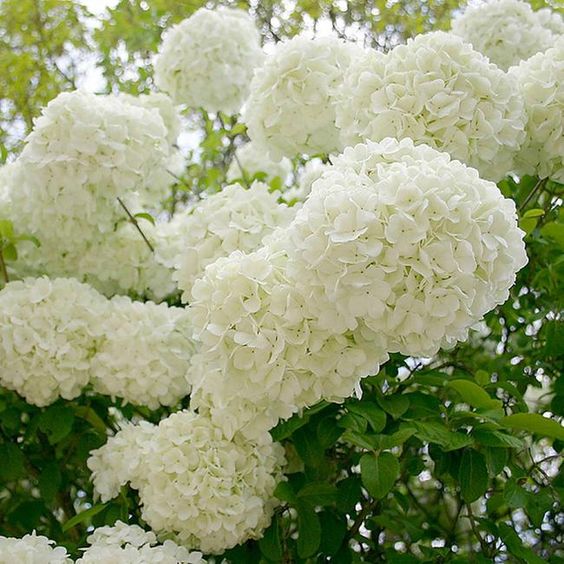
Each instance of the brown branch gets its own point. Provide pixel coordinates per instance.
(136, 223)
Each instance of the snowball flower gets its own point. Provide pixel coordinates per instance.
(208, 60)
(436, 90)
(541, 82)
(32, 549)
(145, 355)
(291, 107)
(130, 544)
(49, 331)
(252, 160)
(195, 485)
(507, 31)
(407, 241)
(263, 355)
(234, 219)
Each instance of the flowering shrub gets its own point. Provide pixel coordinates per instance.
(316, 331)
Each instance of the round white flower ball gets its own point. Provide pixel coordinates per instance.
(436, 90)
(291, 107)
(206, 491)
(32, 549)
(263, 355)
(250, 159)
(541, 82)
(407, 241)
(507, 31)
(130, 544)
(236, 218)
(49, 332)
(145, 355)
(208, 60)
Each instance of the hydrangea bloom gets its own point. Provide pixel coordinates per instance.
(49, 330)
(145, 355)
(541, 82)
(507, 31)
(130, 544)
(436, 90)
(263, 355)
(233, 219)
(409, 242)
(208, 60)
(291, 108)
(32, 549)
(205, 490)
(254, 159)
(551, 20)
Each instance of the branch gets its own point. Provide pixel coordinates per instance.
(135, 222)
(538, 186)
(3, 266)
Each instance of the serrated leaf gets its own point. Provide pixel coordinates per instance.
(379, 473)
(534, 423)
(472, 476)
(371, 412)
(473, 394)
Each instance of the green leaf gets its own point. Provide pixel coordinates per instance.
(496, 460)
(309, 449)
(497, 439)
(537, 212)
(56, 422)
(554, 231)
(333, 531)
(10, 252)
(6, 229)
(146, 216)
(83, 516)
(534, 423)
(309, 529)
(516, 547)
(379, 473)
(270, 545)
(29, 238)
(371, 412)
(472, 475)
(318, 493)
(433, 432)
(50, 481)
(396, 406)
(11, 462)
(473, 394)
(285, 492)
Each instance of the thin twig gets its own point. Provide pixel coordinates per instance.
(135, 222)
(532, 193)
(243, 172)
(3, 266)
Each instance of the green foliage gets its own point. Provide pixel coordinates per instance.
(450, 459)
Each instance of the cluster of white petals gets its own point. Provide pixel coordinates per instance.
(507, 31)
(541, 82)
(207, 491)
(31, 549)
(208, 60)
(407, 241)
(145, 355)
(252, 159)
(130, 544)
(58, 335)
(49, 330)
(436, 90)
(234, 219)
(263, 355)
(291, 107)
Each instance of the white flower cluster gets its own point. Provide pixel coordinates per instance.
(49, 331)
(31, 549)
(541, 82)
(436, 90)
(508, 31)
(263, 355)
(407, 241)
(208, 60)
(234, 219)
(130, 544)
(208, 491)
(145, 355)
(58, 335)
(291, 107)
(252, 159)
(86, 151)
